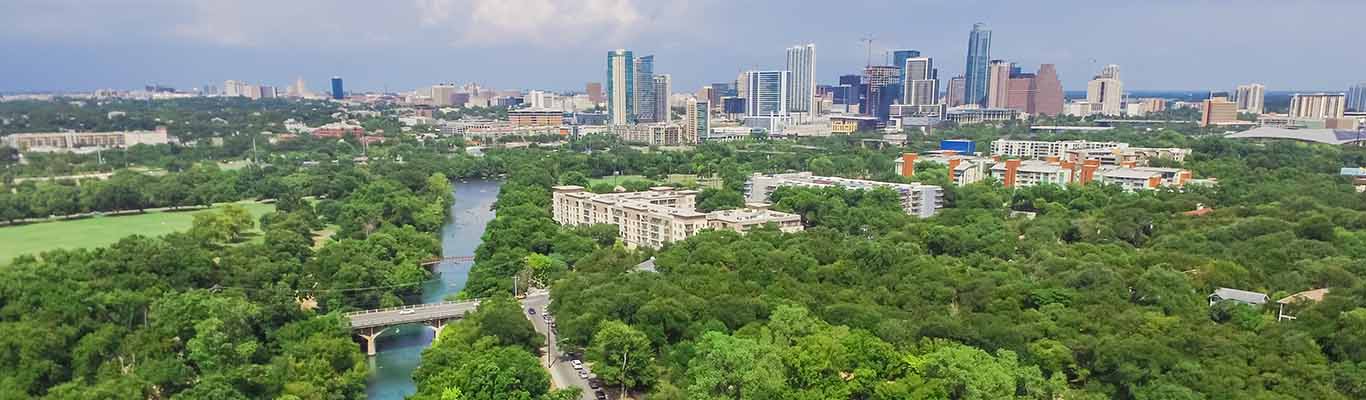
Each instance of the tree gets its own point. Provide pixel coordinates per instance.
(622, 355)
(719, 199)
(726, 367)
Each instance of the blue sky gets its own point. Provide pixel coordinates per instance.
(560, 44)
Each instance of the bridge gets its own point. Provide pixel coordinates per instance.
(432, 262)
(370, 324)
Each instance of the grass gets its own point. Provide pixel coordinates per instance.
(98, 231)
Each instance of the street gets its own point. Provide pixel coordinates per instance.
(562, 372)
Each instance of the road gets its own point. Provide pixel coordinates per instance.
(562, 372)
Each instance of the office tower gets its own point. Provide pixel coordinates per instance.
(801, 64)
(899, 58)
(850, 90)
(1250, 97)
(1107, 91)
(919, 84)
(998, 84)
(1318, 105)
(742, 84)
(706, 93)
(594, 91)
(663, 86)
(1218, 110)
(1020, 91)
(621, 77)
(645, 89)
(975, 78)
(443, 95)
(338, 92)
(957, 91)
(883, 89)
(1048, 95)
(1356, 97)
(697, 120)
(766, 93)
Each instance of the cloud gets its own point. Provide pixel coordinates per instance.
(545, 23)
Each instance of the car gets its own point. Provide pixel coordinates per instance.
(577, 364)
(594, 383)
(407, 312)
(600, 395)
(583, 374)
(531, 311)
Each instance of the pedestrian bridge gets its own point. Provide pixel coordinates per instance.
(370, 324)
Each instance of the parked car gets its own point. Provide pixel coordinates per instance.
(531, 311)
(600, 395)
(594, 383)
(577, 364)
(583, 374)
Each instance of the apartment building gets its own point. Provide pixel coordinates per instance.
(963, 169)
(535, 117)
(658, 216)
(1024, 173)
(1040, 149)
(916, 199)
(72, 141)
(1126, 156)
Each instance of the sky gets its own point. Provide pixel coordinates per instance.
(399, 45)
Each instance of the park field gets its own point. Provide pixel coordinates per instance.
(98, 231)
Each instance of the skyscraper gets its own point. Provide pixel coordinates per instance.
(975, 78)
(1250, 97)
(883, 89)
(663, 86)
(594, 91)
(1048, 96)
(1318, 105)
(956, 91)
(899, 58)
(337, 92)
(620, 87)
(1107, 91)
(1356, 97)
(645, 98)
(766, 93)
(443, 95)
(801, 64)
(919, 84)
(998, 84)
(697, 120)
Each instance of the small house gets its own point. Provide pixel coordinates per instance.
(1241, 296)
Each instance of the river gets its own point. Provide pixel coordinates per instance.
(391, 372)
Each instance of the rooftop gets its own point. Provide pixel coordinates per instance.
(1240, 295)
(1315, 295)
(1326, 136)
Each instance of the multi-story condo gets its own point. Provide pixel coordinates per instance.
(659, 216)
(72, 141)
(916, 199)
(663, 86)
(1250, 98)
(975, 77)
(1041, 150)
(1318, 105)
(801, 92)
(621, 87)
(1024, 173)
(696, 120)
(963, 169)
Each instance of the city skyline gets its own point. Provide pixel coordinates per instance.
(199, 43)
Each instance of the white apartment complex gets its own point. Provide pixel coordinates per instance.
(658, 216)
(916, 199)
(1041, 150)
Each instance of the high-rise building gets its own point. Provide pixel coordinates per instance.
(957, 91)
(646, 100)
(1107, 91)
(801, 64)
(1218, 110)
(299, 89)
(443, 95)
(883, 89)
(232, 88)
(899, 58)
(975, 78)
(766, 93)
(1318, 105)
(697, 120)
(620, 87)
(1250, 97)
(998, 84)
(338, 92)
(920, 85)
(1020, 92)
(663, 86)
(1048, 95)
(1356, 97)
(594, 91)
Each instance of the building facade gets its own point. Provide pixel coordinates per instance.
(663, 84)
(998, 84)
(919, 82)
(338, 92)
(1356, 97)
(1107, 94)
(1041, 150)
(1318, 105)
(535, 117)
(975, 76)
(956, 91)
(1250, 98)
(621, 77)
(1218, 111)
(696, 120)
(801, 65)
(72, 141)
(646, 100)
(883, 89)
(766, 93)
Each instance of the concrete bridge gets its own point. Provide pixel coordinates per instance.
(370, 324)
(431, 263)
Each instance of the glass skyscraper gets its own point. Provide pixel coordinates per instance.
(337, 92)
(620, 87)
(899, 58)
(766, 94)
(979, 57)
(801, 64)
(645, 99)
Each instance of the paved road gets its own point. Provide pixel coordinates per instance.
(419, 313)
(562, 372)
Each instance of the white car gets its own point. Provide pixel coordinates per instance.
(577, 364)
(583, 374)
(407, 312)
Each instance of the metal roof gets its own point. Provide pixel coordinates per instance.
(1240, 296)
(1326, 136)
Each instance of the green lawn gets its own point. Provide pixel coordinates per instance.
(97, 231)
